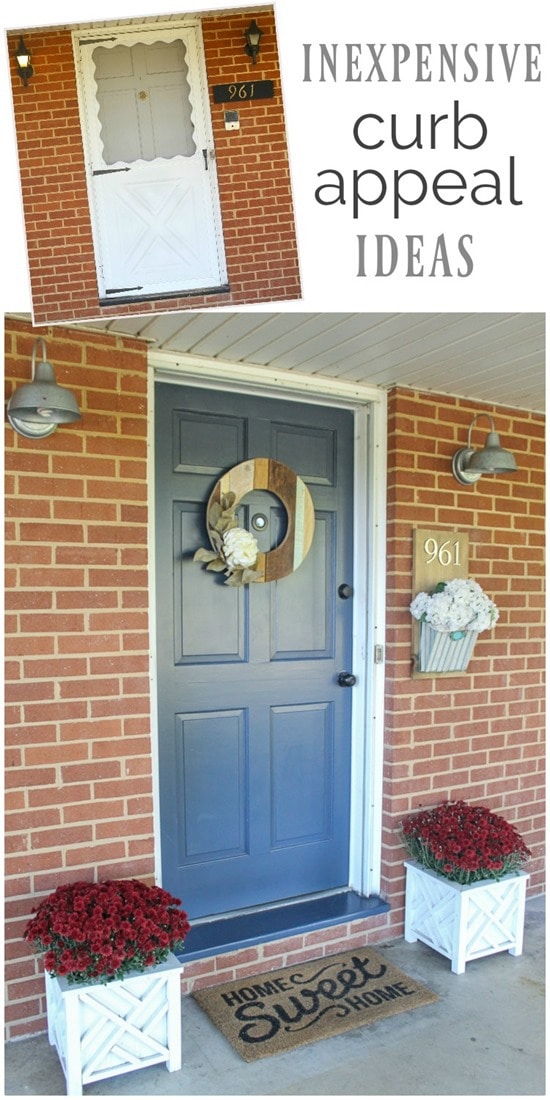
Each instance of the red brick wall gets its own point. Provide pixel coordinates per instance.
(78, 764)
(253, 169)
(79, 767)
(479, 736)
(252, 166)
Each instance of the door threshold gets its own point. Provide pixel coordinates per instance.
(234, 932)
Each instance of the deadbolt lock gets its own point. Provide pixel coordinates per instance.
(345, 591)
(346, 679)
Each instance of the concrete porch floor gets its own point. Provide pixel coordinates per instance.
(485, 1036)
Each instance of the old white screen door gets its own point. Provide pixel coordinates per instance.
(150, 161)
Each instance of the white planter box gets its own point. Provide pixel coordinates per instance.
(439, 652)
(103, 1030)
(464, 922)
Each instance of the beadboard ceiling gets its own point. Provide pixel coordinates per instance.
(486, 357)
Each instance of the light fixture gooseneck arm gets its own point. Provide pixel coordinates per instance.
(39, 340)
(473, 424)
(468, 465)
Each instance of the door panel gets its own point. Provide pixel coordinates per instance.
(212, 779)
(299, 764)
(198, 638)
(310, 634)
(254, 732)
(144, 106)
(152, 179)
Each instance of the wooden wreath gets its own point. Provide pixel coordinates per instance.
(268, 474)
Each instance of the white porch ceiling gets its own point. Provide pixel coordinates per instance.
(485, 357)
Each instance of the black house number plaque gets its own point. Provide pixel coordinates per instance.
(241, 90)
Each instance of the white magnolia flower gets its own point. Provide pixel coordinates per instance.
(454, 606)
(240, 548)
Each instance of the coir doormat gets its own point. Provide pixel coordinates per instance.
(288, 1008)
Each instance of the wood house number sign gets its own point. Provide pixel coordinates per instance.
(438, 555)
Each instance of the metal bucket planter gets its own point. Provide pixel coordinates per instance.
(465, 922)
(104, 1030)
(441, 652)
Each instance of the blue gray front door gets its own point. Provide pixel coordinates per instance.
(254, 729)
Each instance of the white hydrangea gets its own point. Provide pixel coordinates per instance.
(240, 548)
(459, 605)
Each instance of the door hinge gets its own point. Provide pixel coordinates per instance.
(108, 171)
(94, 41)
(122, 289)
(379, 654)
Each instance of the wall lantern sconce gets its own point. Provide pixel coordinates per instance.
(35, 409)
(23, 59)
(253, 35)
(468, 465)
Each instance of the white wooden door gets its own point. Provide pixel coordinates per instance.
(150, 158)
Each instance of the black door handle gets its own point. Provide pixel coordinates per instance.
(346, 679)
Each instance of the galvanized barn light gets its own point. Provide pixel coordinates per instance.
(23, 59)
(35, 409)
(468, 465)
(253, 35)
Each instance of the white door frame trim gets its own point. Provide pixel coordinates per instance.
(369, 405)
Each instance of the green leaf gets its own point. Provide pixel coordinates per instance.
(216, 541)
(214, 513)
(204, 555)
(226, 523)
(251, 575)
(217, 566)
(235, 579)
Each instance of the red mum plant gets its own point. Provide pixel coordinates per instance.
(464, 843)
(100, 931)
